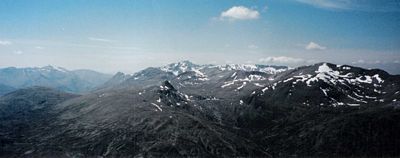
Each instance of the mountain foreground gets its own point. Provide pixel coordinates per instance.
(189, 110)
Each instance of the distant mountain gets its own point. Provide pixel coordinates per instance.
(77, 81)
(118, 78)
(155, 75)
(189, 110)
(93, 77)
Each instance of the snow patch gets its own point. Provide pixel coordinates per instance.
(263, 90)
(227, 84)
(158, 107)
(244, 84)
(259, 85)
(233, 75)
(324, 91)
(353, 104)
(378, 78)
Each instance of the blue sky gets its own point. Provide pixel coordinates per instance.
(129, 35)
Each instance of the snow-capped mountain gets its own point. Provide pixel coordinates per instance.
(327, 84)
(184, 66)
(189, 110)
(181, 67)
(56, 77)
(190, 73)
(320, 84)
(254, 67)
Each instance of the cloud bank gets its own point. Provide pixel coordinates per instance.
(282, 60)
(100, 39)
(4, 43)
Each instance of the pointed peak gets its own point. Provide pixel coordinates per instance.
(167, 85)
(186, 62)
(119, 73)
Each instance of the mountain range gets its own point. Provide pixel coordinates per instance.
(76, 81)
(189, 110)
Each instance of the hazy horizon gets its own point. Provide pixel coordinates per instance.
(392, 71)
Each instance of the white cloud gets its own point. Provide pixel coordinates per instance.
(282, 60)
(239, 13)
(100, 39)
(4, 43)
(328, 4)
(314, 46)
(18, 52)
(361, 61)
(252, 46)
(364, 5)
(39, 47)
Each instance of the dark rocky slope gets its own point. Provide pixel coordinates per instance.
(221, 111)
(24, 114)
